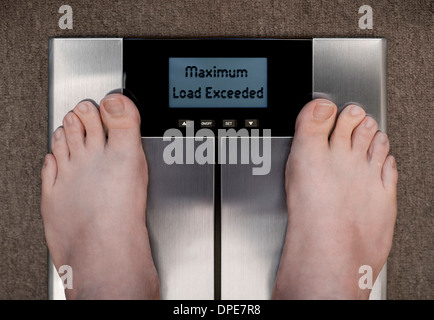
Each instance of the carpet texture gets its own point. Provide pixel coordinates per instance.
(26, 26)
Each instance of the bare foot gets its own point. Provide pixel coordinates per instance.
(341, 198)
(94, 201)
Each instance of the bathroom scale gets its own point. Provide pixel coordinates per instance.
(216, 210)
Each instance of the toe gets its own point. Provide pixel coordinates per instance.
(48, 173)
(363, 135)
(378, 150)
(389, 174)
(91, 120)
(350, 117)
(74, 133)
(122, 119)
(59, 146)
(314, 123)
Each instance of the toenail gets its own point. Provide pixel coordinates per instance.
(383, 138)
(83, 107)
(114, 106)
(323, 110)
(70, 118)
(355, 110)
(57, 134)
(369, 123)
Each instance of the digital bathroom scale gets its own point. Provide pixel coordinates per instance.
(216, 228)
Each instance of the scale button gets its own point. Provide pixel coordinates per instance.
(185, 123)
(207, 123)
(251, 123)
(229, 123)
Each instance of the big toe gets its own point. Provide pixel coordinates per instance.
(314, 124)
(122, 120)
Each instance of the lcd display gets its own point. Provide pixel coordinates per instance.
(218, 82)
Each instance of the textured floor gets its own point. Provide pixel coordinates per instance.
(26, 26)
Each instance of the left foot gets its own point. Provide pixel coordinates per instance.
(94, 201)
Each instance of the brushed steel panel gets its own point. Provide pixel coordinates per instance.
(79, 69)
(253, 225)
(354, 70)
(180, 220)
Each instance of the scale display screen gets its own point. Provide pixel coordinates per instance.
(218, 82)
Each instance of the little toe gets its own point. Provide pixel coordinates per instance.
(59, 146)
(74, 133)
(314, 123)
(378, 150)
(48, 173)
(92, 123)
(363, 135)
(350, 117)
(122, 120)
(389, 174)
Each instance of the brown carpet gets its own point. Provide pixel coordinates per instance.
(26, 26)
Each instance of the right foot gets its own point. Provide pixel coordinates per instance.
(341, 199)
(94, 201)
